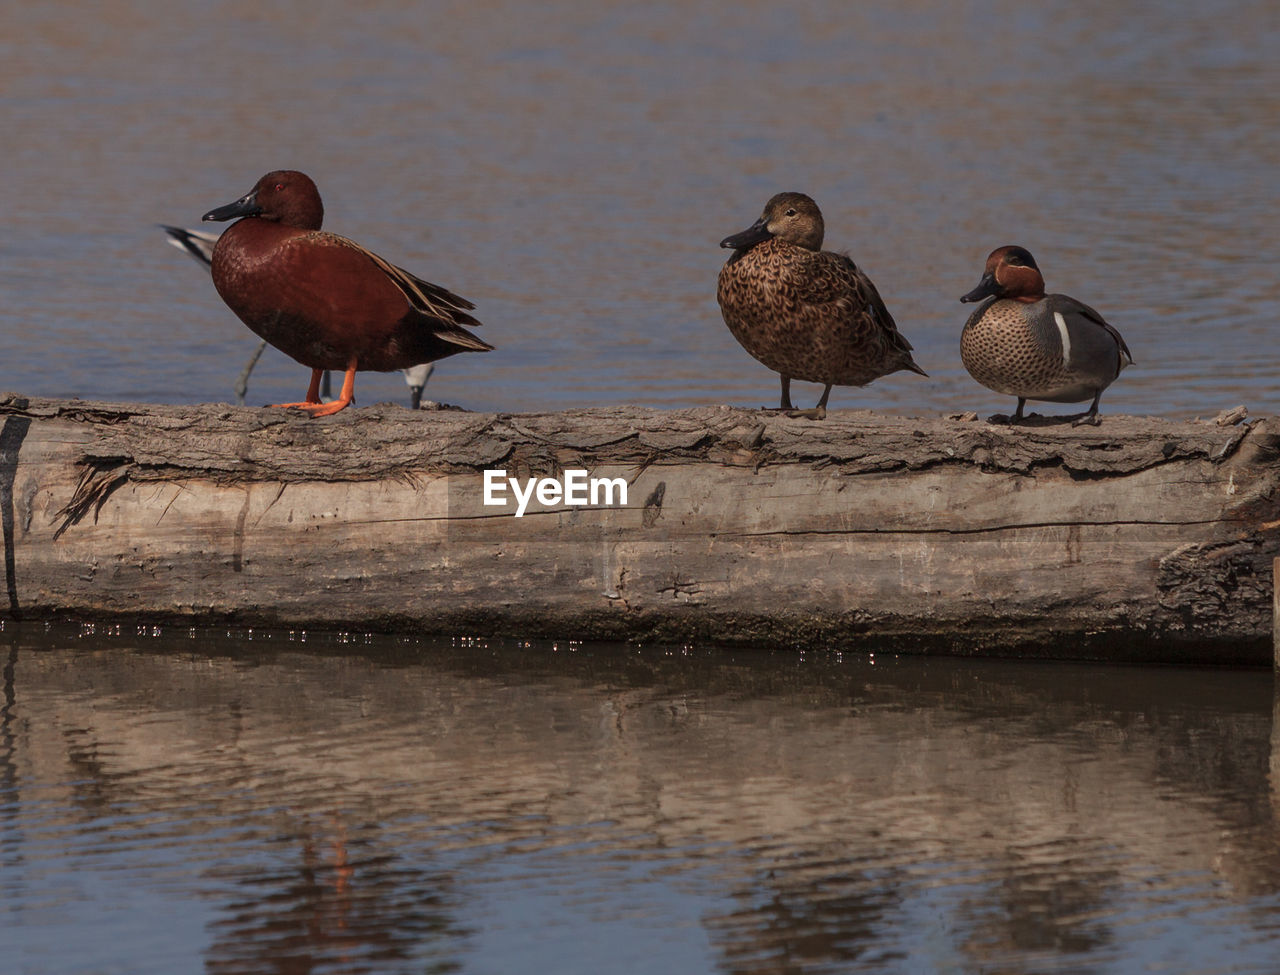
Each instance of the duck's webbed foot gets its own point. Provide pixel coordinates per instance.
(819, 412)
(312, 403)
(1091, 417)
(1015, 418)
(313, 395)
(784, 405)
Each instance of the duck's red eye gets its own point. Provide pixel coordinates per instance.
(279, 186)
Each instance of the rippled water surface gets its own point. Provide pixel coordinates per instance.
(571, 167)
(289, 802)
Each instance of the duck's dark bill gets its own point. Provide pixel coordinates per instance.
(753, 235)
(985, 289)
(246, 206)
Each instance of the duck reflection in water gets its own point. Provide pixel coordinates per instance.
(328, 901)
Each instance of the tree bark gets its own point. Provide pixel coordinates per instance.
(1140, 539)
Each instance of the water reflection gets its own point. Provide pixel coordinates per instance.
(379, 804)
(783, 927)
(327, 899)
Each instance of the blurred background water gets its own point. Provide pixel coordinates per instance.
(268, 802)
(571, 167)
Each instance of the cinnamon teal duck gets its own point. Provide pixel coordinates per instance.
(199, 245)
(1022, 342)
(804, 312)
(323, 299)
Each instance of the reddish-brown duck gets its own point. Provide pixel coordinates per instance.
(323, 299)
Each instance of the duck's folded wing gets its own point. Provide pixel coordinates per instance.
(831, 279)
(1080, 308)
(430, 299)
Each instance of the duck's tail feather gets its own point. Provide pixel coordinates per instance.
(459, 336)
(196, 243)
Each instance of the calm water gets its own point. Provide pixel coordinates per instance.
(275, 802)
(571, 167)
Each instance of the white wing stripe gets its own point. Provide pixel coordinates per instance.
(1066, 338)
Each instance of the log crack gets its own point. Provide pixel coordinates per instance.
(985, 529)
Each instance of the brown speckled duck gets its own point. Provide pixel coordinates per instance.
(804, 312)
(1024, 343)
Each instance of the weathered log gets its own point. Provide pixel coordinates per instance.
(1140, 539)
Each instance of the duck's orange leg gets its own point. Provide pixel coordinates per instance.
(313, 393)
(344, 398)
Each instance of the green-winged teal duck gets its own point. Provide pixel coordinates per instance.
(1025, 343)
(804, 312)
